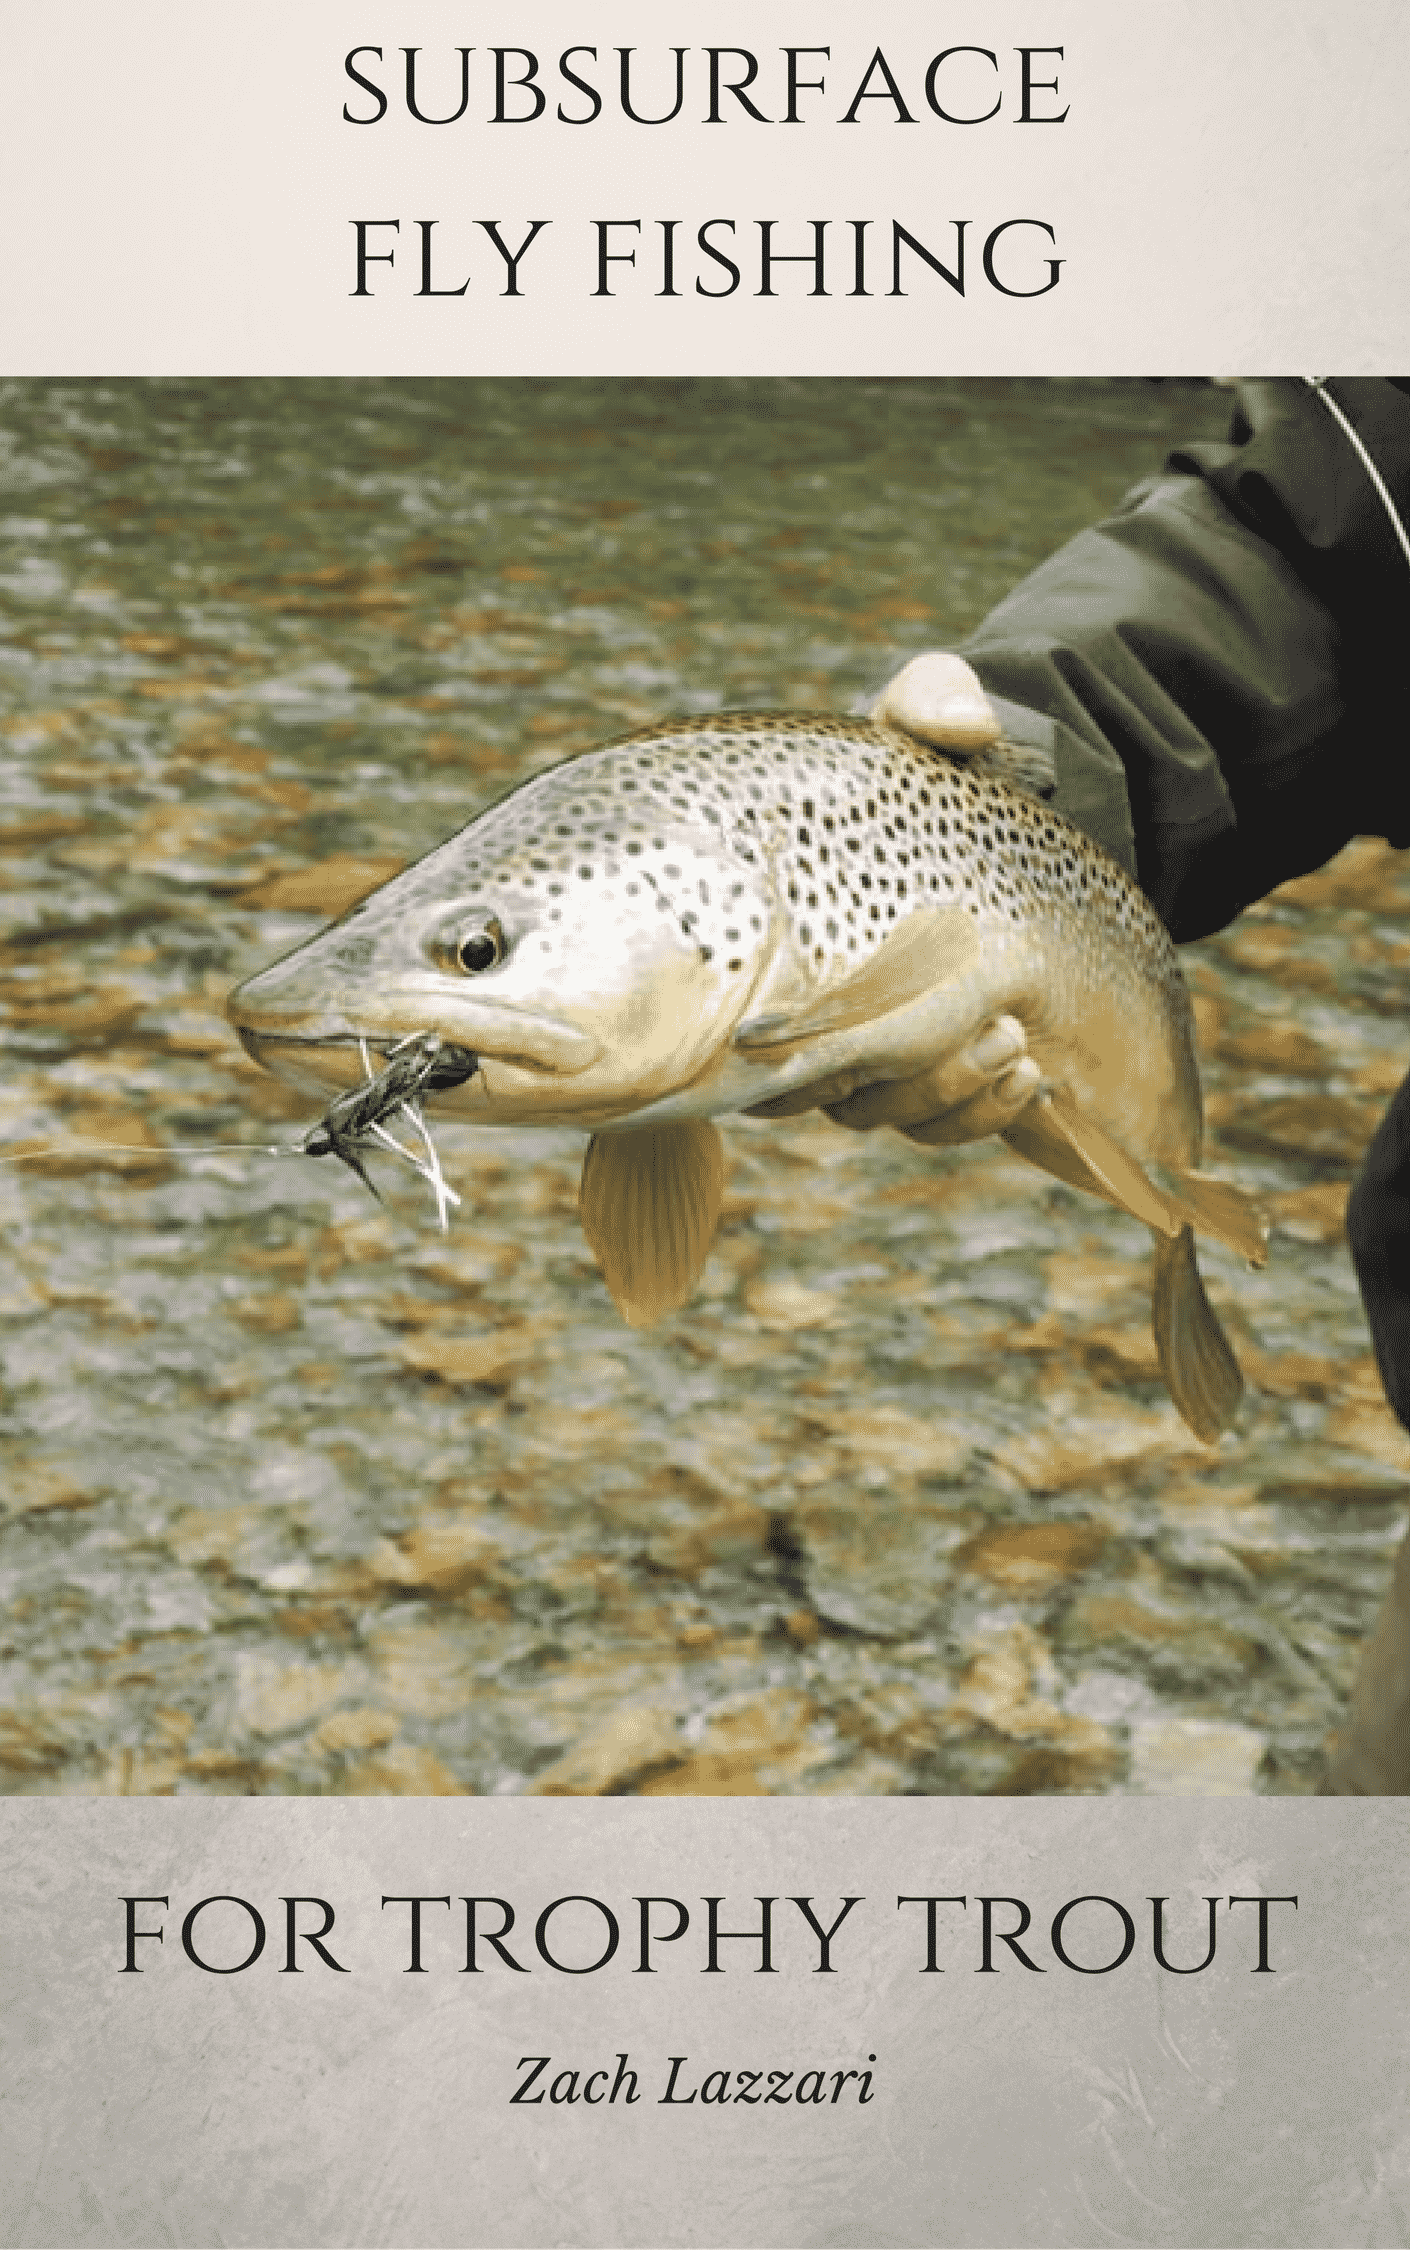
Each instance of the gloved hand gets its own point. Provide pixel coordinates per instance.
(980, 1089)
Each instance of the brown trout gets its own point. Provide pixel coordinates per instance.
(713, 915)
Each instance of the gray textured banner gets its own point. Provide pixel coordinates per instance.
(1046, 2105)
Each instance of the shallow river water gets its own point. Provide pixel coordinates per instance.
(299, 1495)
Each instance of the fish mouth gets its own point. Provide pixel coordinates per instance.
(319, 1066)
(279, 1034)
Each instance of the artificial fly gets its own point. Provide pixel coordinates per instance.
(415, 1066)
(418, 1065)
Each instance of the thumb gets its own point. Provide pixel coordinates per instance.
(938, 698)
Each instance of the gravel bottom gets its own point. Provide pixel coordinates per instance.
(301, 1496)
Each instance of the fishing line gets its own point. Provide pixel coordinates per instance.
(427, 1168)
(1317, 384)
(414, 1064)
(150, 1149)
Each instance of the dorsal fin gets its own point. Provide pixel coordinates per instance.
(649, 1205)
(1054, 1134)
(931, 947)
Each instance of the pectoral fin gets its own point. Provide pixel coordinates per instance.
(936, 945)
(649, 1205)
(1053, 1134)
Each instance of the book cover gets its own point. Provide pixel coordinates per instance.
(837, 1761)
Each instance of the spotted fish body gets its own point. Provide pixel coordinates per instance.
(716, 913)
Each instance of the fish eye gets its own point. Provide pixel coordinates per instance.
(479, 949)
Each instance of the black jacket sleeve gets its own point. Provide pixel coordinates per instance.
(1215, 671)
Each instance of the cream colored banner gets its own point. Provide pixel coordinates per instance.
(1076, 186)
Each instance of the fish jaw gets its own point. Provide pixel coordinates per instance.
(297, 1005)
(582, 1025)
(311, 1017)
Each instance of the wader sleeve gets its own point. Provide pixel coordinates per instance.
(1214, 671)
(1217, 675)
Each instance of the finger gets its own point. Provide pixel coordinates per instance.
(820, 1093)
(947, 1085)
(993, 1111)
(939, 698)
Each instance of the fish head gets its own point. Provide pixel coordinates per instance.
(592, 953)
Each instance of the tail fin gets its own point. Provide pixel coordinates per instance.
(1224, 1212)
(1196, 1357)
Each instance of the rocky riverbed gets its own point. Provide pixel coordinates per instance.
(299, 1495)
